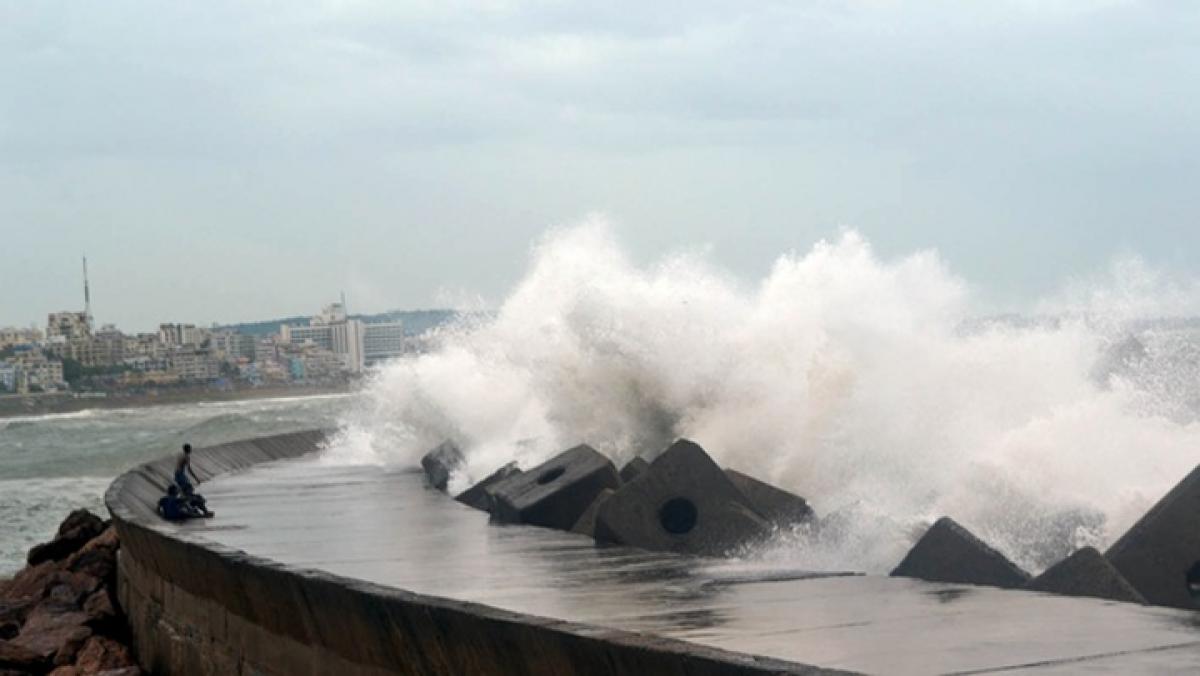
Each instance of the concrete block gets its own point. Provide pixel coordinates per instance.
(682, 503)
(776, 505)
(1156, 555)
(586, 525)
(1086, 573)
(440, 463)
(557, 492)
(633, 468)
(947, 552)
(479, 496)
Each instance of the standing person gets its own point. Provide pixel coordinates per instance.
(183, 467)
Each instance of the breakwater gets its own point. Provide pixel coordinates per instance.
(196, 606)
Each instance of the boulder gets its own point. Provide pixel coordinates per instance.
(633, 468)
(682, 503)
(947, 552)
(54, 631)
(777, 506)
(1158, 552)
(32, 582)
(479, 496)
(20, 659)
(440, 463)
(74, 532)
(586, 525)
(102, 615)
(1086, 573)
(12, 616)
(557, 492)
(100, 654)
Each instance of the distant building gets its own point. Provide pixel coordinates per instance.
(34, 372)
(231, 345)
(359, 344)
(8, 377)
(194, 365)
(68, 326)
(14, 336)
(179, 334)
(382, 342)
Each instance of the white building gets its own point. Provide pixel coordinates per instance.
(359, 344)
(382, 342)
(179, 334)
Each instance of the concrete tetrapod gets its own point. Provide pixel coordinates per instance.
(633, 468)
(1086, 573)
(776, 505)
(479, 496)
(682, 503)
(557, 492)
(947, 552)
(586, 525)
(1159, 554)
(440, 463)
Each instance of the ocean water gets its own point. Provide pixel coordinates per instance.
(881, 389)
(51, 464)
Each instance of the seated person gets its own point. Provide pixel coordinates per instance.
(195, 502)
(171, 507)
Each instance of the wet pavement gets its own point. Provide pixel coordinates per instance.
(387, 527)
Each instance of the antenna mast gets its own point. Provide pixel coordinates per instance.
(87, 294)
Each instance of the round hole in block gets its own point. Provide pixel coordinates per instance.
(677, 516)
(1193, 580)
(550, 475)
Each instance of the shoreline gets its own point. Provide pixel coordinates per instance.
(13, 406)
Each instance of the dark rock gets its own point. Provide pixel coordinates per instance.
(947, 552)
(633, 468)
(54, 631)
(100, 654)
(75, 531)
(1156, 555)
(557, 492)
(21, 659)
(33, 582)
(586, 525)
(101, 611)
(478, 496)
(1086, 573)
(12, 616)
(440, 463)
(776, 505)
(683, 503)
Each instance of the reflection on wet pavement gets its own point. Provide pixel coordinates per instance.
(387, 527)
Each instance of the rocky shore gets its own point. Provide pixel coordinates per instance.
(60, 615)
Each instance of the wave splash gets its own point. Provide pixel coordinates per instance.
(869, 386)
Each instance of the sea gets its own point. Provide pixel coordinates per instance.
(52, 464)
(885, 389)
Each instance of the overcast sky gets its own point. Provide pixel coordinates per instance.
(224, 161)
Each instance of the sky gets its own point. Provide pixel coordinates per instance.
(228, 161)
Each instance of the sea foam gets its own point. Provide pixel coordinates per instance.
(872, 387)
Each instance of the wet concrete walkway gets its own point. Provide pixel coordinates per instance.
(388, 528)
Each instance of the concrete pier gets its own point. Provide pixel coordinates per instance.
(370, 571)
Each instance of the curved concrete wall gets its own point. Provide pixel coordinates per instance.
(196, 607)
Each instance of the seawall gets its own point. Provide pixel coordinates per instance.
(196, 607)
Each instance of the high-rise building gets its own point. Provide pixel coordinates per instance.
(358, 343)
